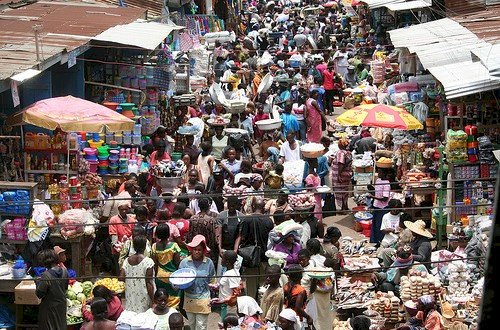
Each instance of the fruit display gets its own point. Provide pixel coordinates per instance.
(419, 283)
(301, 200)
(111, 283)
(340, 325)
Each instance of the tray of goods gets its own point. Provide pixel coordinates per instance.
(269, 124)
(384, 162)
(218, 121)
(312, 150)
(302, 201)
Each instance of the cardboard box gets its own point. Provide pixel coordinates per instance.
(25, 294)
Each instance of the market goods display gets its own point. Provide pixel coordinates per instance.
(458, 282)
(384, 162)
(456, 146)
(348, 247)
(218, 121)
(239, 191)
(361, 263)
(77, 222)
(77, 294)
(301, 200)
(312, 150)
(268, 124)
(293, 173)
(417, 178)
(419, 283)
(188, 130)
(387, 305)
(340, 325)
(353, 295)
(363, 162)
(111, 283)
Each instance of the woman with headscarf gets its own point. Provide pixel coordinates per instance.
(197, 296)
(288, 320)
(314, 118)
(341, 166)
(289, 244)
(250, 311)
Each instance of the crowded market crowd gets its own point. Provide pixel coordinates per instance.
(246, 219)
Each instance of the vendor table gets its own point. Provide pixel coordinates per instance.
(76, 246)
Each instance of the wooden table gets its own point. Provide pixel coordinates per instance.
(75, 245)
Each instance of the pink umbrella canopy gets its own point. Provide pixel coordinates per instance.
(71, 114)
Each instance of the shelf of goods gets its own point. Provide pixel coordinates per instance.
(15, 199)
(472, 184)
(48, 162)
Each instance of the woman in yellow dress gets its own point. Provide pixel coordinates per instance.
(166, 257)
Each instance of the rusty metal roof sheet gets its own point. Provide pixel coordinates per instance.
(64, 27)
(485, 23)
(153, 7)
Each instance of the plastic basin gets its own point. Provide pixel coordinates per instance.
(183, 278)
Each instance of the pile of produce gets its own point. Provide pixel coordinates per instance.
(77, 294)
(111, 283)
(387, 305)
(419, 283)
(77, 222)
(301, 200)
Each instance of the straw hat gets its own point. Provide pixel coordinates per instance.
(418, 227)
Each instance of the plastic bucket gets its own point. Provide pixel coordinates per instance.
(176, 156)
(366, 227)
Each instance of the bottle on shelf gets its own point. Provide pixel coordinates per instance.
(28, 161)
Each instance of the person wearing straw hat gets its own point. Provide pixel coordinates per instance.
(197, 296)
(421, 245)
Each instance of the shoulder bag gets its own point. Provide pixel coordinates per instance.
(251, 254)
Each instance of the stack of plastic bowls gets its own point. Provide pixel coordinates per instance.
(113, 161)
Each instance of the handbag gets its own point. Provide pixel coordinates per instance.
(251, 254)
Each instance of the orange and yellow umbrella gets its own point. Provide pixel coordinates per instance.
(379, 115)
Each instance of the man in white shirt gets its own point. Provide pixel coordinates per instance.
(290, 150)
(390, 224)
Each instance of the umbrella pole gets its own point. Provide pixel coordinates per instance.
(374, 164)
(67, 160)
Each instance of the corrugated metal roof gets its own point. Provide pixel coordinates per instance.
(372, 4)
(147, 35)
(64, 27)
(153, 7)
(484, 22)
(454, 7)
(407, 5)
(444, 47)
(489, 56)
(464, 78)
(438, 42)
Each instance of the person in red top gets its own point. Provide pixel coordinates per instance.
(328, 85)
(121, 225)
(159, 154)
(115, 307)
(258, 117)
(178, 219)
